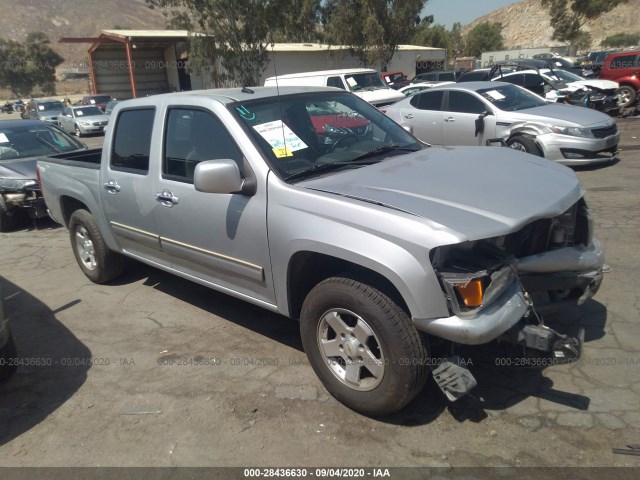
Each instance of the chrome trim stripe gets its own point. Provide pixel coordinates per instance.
(253, 266)
(243, 296)
(136, 230)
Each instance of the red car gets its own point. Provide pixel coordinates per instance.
(327, 121)
(99, 101)
(624, 68)
(395, 80)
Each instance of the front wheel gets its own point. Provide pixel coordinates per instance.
(97, 261)
(363, 347)
(524, 144)
(626, 96)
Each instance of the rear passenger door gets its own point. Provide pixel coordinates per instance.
(217, 239)
(425, 116)
(126, 185)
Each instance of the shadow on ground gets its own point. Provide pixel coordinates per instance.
(52, 363)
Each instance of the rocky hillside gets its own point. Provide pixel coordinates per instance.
(526, 23)
(74, 18)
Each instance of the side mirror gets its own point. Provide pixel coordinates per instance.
(480, 122)
(221, 176)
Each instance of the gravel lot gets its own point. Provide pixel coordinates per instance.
(153, 370)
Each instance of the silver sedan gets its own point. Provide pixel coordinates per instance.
(481, 113)
(83, 120)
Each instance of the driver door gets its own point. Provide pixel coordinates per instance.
(459, 120)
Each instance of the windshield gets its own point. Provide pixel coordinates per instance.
(46, 106)
(87, 111)
(565, 76)
(35, 140)
(299, 133)
(511, 98)
(100, 99)
(365, 81)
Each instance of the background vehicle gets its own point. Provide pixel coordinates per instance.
(481, 74)
(8, 352)
(395, 80)
(416, 87)
(476, 112)
(566, 87)
(99, 101)
(435, 77)
(594, 61)
(624, 68)
(43, 110)
(366, 241)
(21, 142)
(7, 107)
(82, 120)
(363, 82)
(110, 106)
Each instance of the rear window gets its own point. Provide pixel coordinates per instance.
(132, 141)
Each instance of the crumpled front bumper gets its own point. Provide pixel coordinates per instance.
(577, 268)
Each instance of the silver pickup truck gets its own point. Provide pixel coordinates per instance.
(311, 203)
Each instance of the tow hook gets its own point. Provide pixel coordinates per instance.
(454, 380)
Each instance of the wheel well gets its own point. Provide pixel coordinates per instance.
(307, 269)
(70, 205)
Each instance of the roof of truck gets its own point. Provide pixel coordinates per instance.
(238, 94)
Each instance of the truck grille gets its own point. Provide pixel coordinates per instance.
(605, 131)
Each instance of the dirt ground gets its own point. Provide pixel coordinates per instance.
(153, 370)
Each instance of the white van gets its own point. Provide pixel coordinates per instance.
(364, 82)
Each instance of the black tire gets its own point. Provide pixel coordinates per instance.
(393, 349)
(78, 132)
(8, 355)
(628, 95)
(7, 221)
(98, 263)
(524, 144)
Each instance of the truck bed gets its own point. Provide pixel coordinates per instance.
(84, 158)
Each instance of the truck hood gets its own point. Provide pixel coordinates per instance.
(18, 168)
(477, 192)
(578, 116)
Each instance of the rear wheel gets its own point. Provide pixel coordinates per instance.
(524, 144)
(95, 259)
(363, 347)
(626, 96)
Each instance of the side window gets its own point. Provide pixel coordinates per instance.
(428, 100)
(515, 79)
(532, 80)
(335, 82)
(193, 136)
(132, 141)
(625, 61)
(463, 102)
(447, 77)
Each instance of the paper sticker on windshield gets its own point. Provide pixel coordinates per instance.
(496, 95)
(40, 107)
(3, 138)
(351, 81)
(282, 139)
(79, 113)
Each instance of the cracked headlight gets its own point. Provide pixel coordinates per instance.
(16, 183)
(571, 131)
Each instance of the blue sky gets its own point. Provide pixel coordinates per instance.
(446, 12)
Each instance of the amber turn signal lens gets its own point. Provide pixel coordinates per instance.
(471, 292)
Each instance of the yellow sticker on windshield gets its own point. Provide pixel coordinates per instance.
(282, 152)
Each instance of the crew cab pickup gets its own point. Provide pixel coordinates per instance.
(374, 241)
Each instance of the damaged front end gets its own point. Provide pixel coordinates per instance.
(497, 288)
(18, 196)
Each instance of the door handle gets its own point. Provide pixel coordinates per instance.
(450, 119)
(167, 198)
(112, 187)
(409, 115)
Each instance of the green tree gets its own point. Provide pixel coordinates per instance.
(372, 29)
(25, 65)
(240, 31)
(569, 16)
(456, 39)
(484, 37)
(621, 40)
(435, 36)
